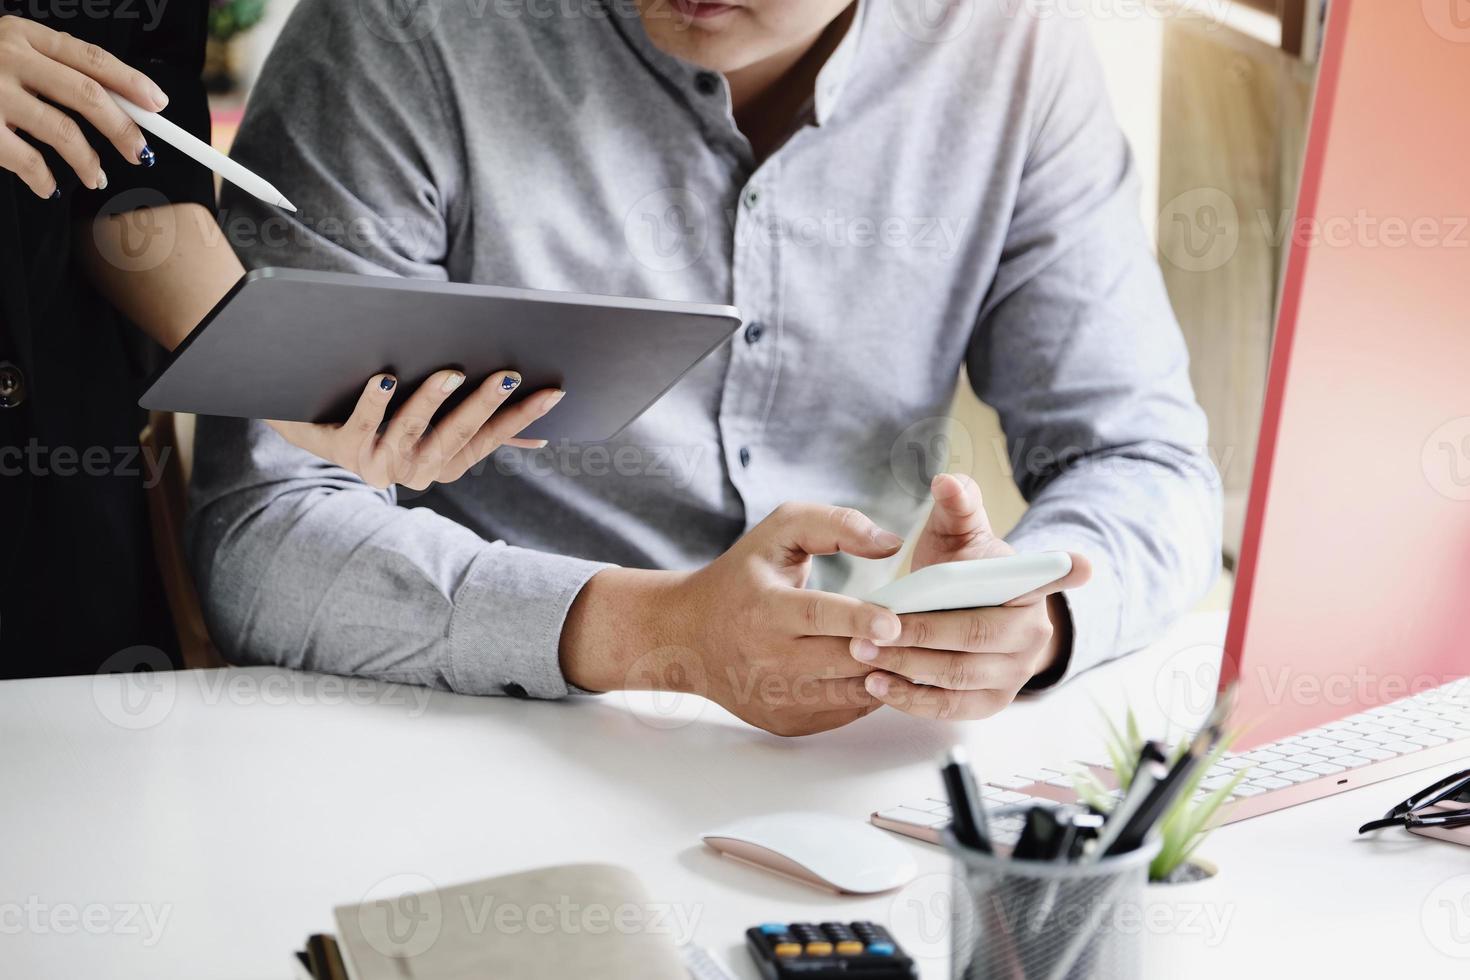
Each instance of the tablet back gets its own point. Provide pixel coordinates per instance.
(298, 345)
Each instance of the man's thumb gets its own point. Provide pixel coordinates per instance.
(959, 508)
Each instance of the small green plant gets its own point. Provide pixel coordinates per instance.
(1187, 822)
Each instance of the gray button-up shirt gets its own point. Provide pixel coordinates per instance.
(957, 193)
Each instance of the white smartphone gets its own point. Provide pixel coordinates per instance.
(971, 584)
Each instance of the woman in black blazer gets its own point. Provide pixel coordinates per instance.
(100, 236)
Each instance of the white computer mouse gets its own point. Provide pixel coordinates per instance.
(836, 853)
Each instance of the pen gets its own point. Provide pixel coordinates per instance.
(1040, 837)
(969, 824)
(190, 145)
(1086, 826)
(1146, 778)
(1157, 802)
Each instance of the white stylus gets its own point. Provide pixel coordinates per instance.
(190, 145)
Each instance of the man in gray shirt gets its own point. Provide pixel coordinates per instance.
(886, 197)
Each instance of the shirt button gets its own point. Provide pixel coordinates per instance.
(752, 197)
(754, 332)
(707, 83)
(12, 385)
(744, 456)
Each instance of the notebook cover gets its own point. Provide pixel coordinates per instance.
(560, 923)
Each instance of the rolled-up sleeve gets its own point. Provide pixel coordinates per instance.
(299, 562)
(1078, 351)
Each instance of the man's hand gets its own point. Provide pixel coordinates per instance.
(970, 663)
(742, 631)
(414, 450)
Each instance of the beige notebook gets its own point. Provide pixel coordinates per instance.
(564, 923)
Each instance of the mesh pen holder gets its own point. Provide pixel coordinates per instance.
(1033, 920)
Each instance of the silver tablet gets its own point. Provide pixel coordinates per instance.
(296, 345)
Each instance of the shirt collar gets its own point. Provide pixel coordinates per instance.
(831, 80)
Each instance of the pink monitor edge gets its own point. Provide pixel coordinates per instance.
(1353, 585)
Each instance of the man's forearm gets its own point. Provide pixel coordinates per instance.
(626, 631)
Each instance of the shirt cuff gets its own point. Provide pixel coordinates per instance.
(1095, 608)
(505, 632)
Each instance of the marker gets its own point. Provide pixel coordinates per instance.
(969, 824)
(1145, 778)
(192, 146)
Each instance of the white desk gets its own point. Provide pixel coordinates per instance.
(258, 799)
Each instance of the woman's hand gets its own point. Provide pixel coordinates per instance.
(39, 65)
(413, 450)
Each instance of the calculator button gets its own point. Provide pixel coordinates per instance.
(849, 947)
(880, 949)
(787, 949)
(837, 931)
(774, 929)
(820, 948)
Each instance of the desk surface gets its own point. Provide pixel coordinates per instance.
(208, 830)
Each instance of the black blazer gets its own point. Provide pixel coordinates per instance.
(79, 589)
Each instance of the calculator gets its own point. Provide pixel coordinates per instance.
(786, 951)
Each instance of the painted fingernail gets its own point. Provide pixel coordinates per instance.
(387, 383)
(101, 180)
(877, 685)
(864, 650)
(145, 156)
(453, 381)
(509, 382)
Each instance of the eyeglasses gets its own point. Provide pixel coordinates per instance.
(1451, 789)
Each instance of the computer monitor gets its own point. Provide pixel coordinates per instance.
(1353, 585)
(1350, 625)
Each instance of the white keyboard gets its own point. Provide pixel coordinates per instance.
(1390, 740)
